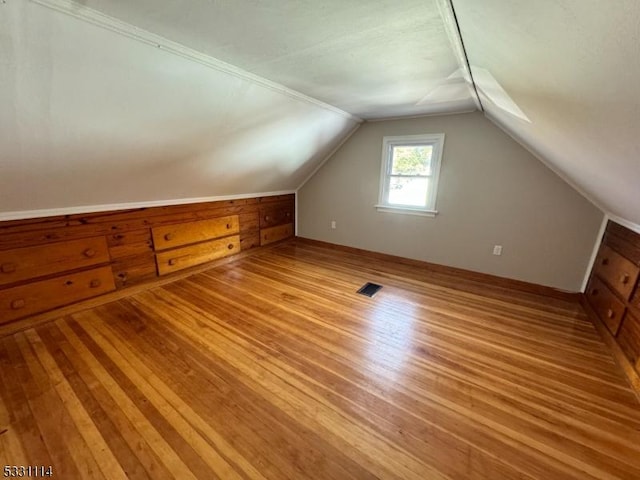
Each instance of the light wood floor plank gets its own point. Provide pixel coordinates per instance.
(95, 444)
(97, 404)
(272, 367)
(146, 430)
(186, 421)
(189, 369)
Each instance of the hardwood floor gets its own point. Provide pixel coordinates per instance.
(271, 367)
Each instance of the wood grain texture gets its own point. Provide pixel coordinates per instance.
(24, 300)
(44, 317)
(624, 241)
(37, 249)
(170, 236)
(32, 262)
(277, 215)
(616, 266)
(635, 299)
(629, 369)
(605, 303)
(620, 273)
(629, 337)
(275, 234)
(180, 258)
(272, 367)
(133, 270)
(453, 272)
(42, 231)
(128, 244)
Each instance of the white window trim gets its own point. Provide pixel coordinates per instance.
(437, 140)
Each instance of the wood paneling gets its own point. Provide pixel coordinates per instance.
(249, 240)
(17, 302)
(180, 258)
(629, 337)
(635, 298)
(38, 261)
(275, 234)
(133, 270)
(41, 248)
(279, 215)
(605, 303)
(621, 274)
(128, 244)
(170, 236)
(21, 233)
(624, 241)
(272, 367)
(617, 265)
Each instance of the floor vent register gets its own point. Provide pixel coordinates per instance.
(369, 289)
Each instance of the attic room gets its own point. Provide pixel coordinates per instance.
(320, 240)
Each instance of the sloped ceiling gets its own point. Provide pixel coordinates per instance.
(92, 117)
(108, 102)
(373, 58)
(573, 66)
(98, 105)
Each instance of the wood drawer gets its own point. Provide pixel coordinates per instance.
(273, 234)
(135, 269)
(25, 300)
(185, 257)
(170, 236)
(605, 303)
(617, 271)
(280, 215)
(629, 338)
(32, 262)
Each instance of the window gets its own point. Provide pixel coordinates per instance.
(409, 177)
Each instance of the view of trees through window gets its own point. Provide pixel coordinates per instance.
(410, 172)
(412, 160)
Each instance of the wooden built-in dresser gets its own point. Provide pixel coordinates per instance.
(52, 262)
(613, 292)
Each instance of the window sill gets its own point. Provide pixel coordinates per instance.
(406, 211)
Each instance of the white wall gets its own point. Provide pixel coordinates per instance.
(492, 191)
(93, 113)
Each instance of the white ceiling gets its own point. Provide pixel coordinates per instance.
(573, 66)
(96, 110)
(90, 117)
(373, 58)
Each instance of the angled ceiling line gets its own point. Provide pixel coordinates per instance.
(109, 207)
(542, 159)
(99, 19)
(464, 53)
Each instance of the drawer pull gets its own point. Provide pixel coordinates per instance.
(624, 279)
(95, 283)
(168, 236)
(230, 246)
(89, 252)
(267, 218)
(228, 226)
(288, 214)
(8, 267)
(610, 313)
(172, 261)
(18, 304)
(605, 261)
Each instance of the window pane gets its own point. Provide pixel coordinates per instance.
(411, 192)
(411, 160)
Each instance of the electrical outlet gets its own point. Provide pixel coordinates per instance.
(333, 224)
(497, 249)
